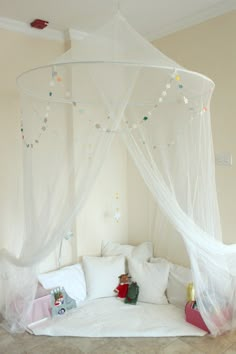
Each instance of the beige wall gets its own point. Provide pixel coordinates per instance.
(21, 52)
(18, 53)
(209, 48)
(96, 221)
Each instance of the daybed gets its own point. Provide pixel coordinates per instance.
(101, 314)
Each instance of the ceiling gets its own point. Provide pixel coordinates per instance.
(152, 18)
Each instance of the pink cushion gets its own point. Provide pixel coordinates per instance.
(41, 307)
(40, 292)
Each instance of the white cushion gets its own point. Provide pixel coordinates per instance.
(159, 260)
(142, 252)
(152, 279)
(71, 278)
(102, 274)
(177, 285)
(179, 278)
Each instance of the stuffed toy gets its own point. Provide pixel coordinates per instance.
(132, 294)
(122, 288)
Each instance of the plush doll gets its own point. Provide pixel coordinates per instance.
(132, 294)
(122, 288)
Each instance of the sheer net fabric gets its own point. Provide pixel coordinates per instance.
(115, 82)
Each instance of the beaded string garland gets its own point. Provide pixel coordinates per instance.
(57, 79)
(117, 213)
(30, 144)
(175, 77)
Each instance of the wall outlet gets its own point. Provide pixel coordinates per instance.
(224, 159)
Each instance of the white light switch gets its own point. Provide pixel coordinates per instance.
(224, 159)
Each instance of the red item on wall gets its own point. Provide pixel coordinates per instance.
(39, 24)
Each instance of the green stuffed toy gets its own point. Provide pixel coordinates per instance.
(132, 294)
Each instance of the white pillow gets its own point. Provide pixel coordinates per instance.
(152, 279)
(102, 274)
(177, 285)
(179, 277)
(159, 260)
(71, 278)
(142, 252)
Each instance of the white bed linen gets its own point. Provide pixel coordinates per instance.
(110, 317)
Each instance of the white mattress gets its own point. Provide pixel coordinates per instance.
(111, 317)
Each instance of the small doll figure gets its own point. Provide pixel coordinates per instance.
(122, 288)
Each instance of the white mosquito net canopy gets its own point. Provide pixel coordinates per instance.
(113, 82)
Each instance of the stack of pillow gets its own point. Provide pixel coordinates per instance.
(152, 278)
(159, 281)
